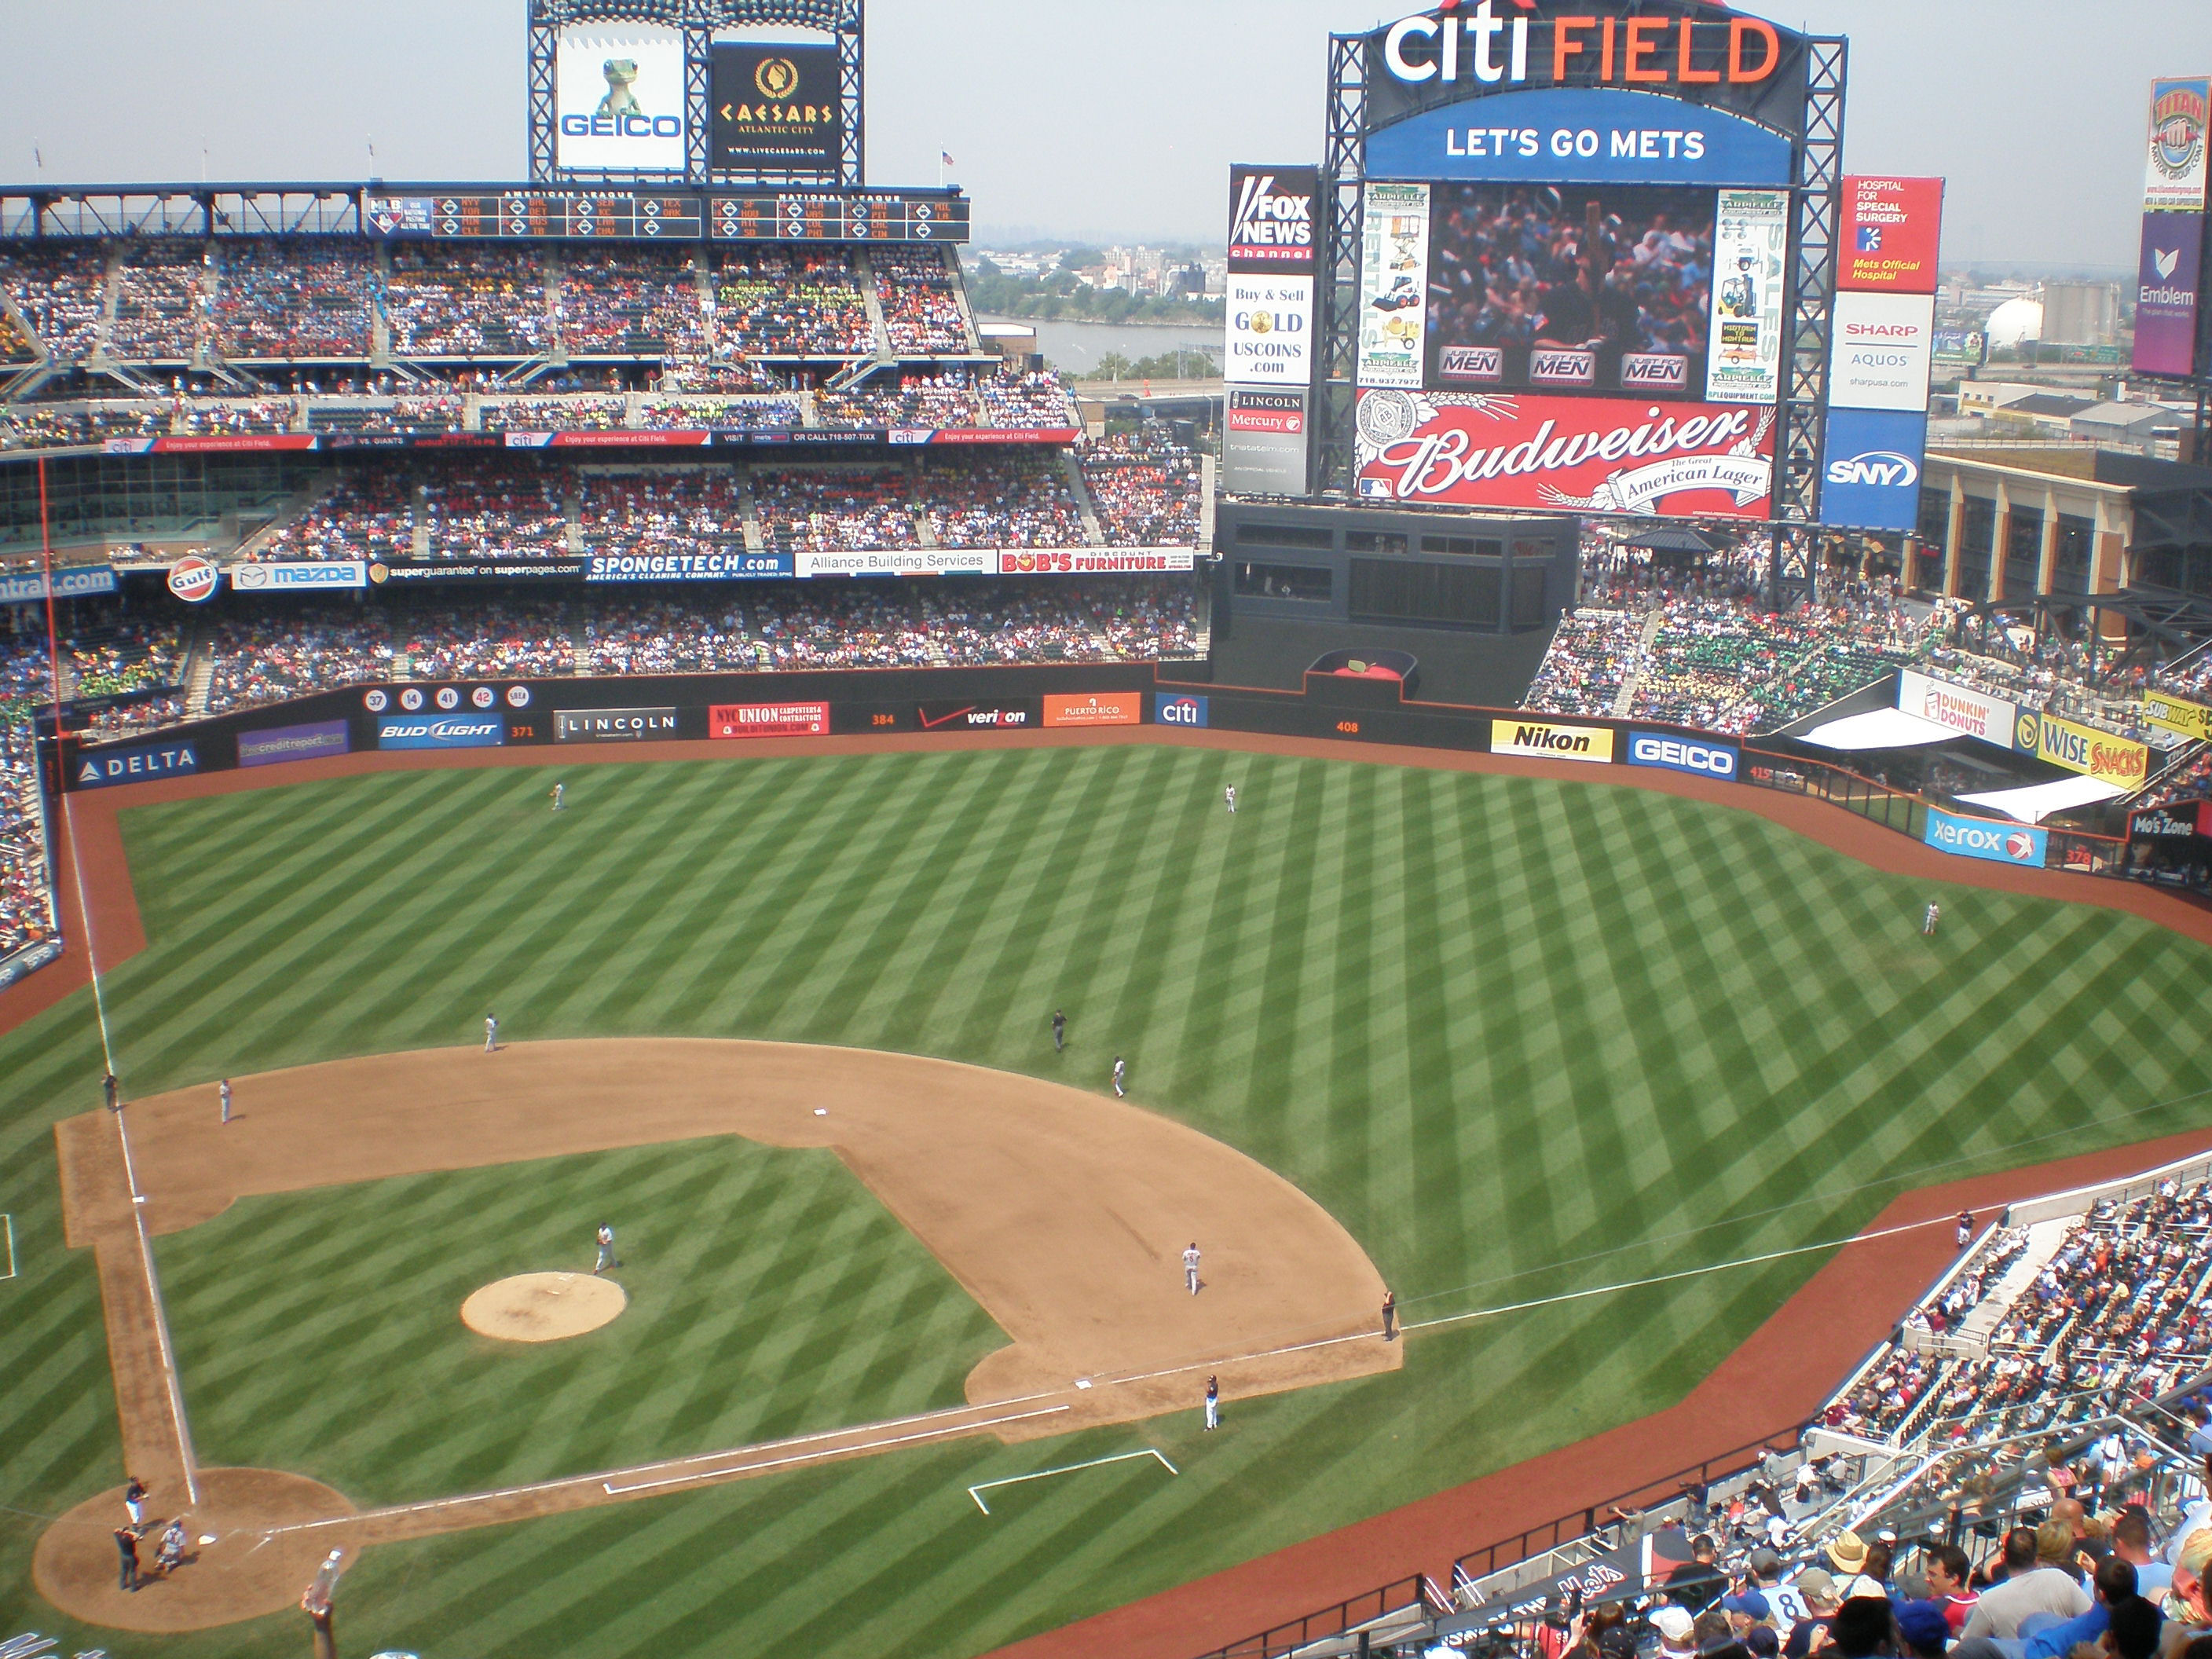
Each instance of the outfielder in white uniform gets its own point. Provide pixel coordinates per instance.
(222, 1093)
(1212, 1402)
(491, 1032)
(1121, 1071)
(557, 788)
(1190, 1266)
(1231, 792)
(606, 1250)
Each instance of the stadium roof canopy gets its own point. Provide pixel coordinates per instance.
(1880, 728)
(2038, 801)
(1673, 538)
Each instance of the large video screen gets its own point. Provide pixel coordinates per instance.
(1569, 288)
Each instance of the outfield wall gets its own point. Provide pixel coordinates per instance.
(556, 715)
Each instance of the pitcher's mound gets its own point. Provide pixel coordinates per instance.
(542, 1307)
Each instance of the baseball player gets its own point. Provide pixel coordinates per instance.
(1389, 1314)
(1212, 1402)
(557, 788)
(1058, 1030)
(1929, 919)
(127, 1546)
(1190, 1266)
(171, 1554)
(222, 1093)
(1231, 792)
(1965, 1228)
(1121, 1071)
(113, 1092)
(491, 1032)
(606, 1250)
(134, 1501)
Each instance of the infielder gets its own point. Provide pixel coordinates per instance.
(1212, 1402)
(1389, 1314)
(222, 1093)
(1190, 1266)
(1934, 914)
(1231, 792)
(491, 1032)
(606, 1250)
(1121, 1071)
(557, 788)
(1965, 1228)
(1059, 1029)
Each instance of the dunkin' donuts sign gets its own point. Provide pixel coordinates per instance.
(1566, 454)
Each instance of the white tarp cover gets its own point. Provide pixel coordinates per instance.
(2039, 801)
(1884, 728)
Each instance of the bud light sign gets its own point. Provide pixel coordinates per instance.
(1981, 838)
(1173, 709)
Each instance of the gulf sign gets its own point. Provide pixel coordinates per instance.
(1671, 752)
(1891, 231)
(1545, 740)
(1984, 838)
(2120, 761)
(1566, 455)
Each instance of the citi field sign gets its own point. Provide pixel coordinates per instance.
(1685, 50)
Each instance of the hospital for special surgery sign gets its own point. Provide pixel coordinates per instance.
(1566, 454)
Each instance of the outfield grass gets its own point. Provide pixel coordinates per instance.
(1518, 1037)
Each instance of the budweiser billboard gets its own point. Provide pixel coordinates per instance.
(1566, 454)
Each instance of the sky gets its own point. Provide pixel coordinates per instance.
(1094, 123)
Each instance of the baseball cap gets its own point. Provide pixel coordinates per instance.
(1922, 1625)
(1763, 1640)
(1674, 1624)
(1815, 1585)
(1751, 1604)
(1765, 1561)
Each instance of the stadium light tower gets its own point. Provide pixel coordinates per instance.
(606, 111)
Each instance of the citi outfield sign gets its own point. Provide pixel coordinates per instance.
(1579, 48)
(1883, 468)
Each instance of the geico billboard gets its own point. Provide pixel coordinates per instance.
(618, 98)
(1675, 49)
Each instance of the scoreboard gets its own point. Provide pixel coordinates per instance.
(641, 215)
(620, 214)
(853, 216)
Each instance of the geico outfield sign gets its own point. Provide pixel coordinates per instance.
(1574, 743)
(1673, 753)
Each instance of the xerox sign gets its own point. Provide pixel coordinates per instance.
(1705, 758)
(1981, 838)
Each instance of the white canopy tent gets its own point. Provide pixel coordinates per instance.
(1882, 728)
(2039, 800)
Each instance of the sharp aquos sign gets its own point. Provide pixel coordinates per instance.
(1566, 454)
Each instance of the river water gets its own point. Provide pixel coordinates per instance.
(1076, 348)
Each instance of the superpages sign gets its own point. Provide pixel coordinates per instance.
(1272, 218)
(1680, 49)
(1551, 454)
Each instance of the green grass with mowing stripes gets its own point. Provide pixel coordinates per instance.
(1519, 1037)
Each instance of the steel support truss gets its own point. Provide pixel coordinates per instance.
(1343, 185)
(1815, 211)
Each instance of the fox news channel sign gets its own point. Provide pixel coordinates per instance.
(1274, 216)
(618, 98)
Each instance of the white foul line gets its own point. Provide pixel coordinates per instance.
(10, 1221)
(161, 1318)
(977, 1491)
(613, 1491)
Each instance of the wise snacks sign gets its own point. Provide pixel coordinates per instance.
(1566, 454)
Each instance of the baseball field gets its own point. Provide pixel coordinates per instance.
(1508, 1038)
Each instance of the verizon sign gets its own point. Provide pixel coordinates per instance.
(1566, 454)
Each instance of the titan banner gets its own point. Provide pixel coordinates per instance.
(2169, 280)
(1566, 454)
(618, 98)
(1263, 451)
(2173, 171)
(1890, 232)
(1882, 351)
(1393, 275)
(775, 107)
(1751, 244)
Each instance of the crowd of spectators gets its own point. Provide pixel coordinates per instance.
(832, 509)
(123, 657)
(371, 516)
(921, 299)
(968, 624)
(16, 346)
(161, 303)
(450, 301)
(706, 635)
(2115, 1315)
(26, 902)
(417, 416)
(553, 414)
(1146, 488)
(1590, 657)
(292, 651)
(662, 511)
(61, 291)
(1028, 400)
(295, 298)
(667, 414)
(1001, 501)
(642, 301)
(915, 400)
(772, 302)
(478, 512)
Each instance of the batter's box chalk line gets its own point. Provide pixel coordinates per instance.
(977, 1491)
